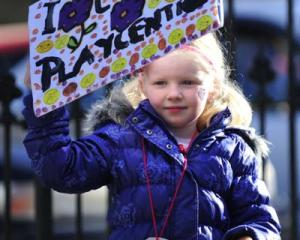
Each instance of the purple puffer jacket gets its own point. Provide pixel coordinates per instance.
(221, 196)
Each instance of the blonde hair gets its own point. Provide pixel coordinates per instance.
(208, 52)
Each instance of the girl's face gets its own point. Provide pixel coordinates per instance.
(177, 88)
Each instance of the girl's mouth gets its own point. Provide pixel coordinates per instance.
(175, 109)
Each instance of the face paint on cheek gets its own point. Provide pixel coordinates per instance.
(202, 93)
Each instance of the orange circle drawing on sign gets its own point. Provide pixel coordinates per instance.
(190, 29)
(134, 59)
(104, 71)
(162, 44)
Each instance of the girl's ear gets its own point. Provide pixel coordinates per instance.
(213, 92)
(210, 97)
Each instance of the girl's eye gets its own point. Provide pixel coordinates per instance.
(160, 83)
(188, 82)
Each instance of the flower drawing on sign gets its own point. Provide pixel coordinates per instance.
(125, 13)
(74, 14)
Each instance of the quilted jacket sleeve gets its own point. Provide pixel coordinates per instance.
(249, 201)
(62, 164)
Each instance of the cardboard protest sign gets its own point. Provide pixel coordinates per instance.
(77, 46)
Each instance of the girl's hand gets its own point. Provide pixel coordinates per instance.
(27, 81)
(245, 238)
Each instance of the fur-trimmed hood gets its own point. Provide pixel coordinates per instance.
(115, 108)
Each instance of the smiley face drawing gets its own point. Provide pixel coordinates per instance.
(44, 46)
(119, 65)
(149, 50)
(204, 22)
(153, 3)
(51, 96)
(175, 36)
(61, 42)
(87, 80)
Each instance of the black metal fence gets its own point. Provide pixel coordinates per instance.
(43, 224)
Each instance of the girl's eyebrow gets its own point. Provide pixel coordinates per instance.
(203, 75)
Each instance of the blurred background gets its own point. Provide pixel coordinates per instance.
(262, 38)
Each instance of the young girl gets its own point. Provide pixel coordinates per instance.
(174, 164)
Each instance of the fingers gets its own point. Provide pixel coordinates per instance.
(27, 81)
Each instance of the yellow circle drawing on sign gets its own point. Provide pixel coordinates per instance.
(51, 96)
(175, 36)
(61, 42)
(87, 80)
(44, 46)
(204, 22)
(119, 65)
(153, 3)
(149, 50)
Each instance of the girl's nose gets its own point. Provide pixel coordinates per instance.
(174, 92)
